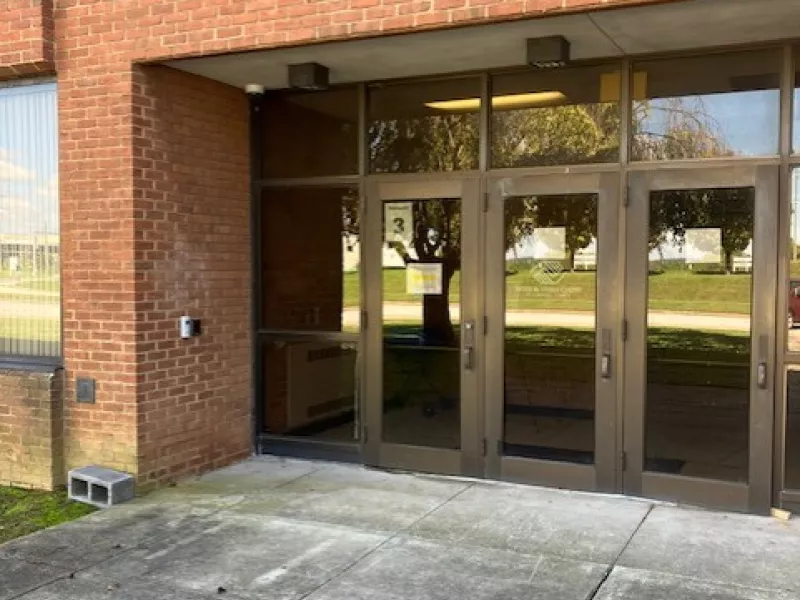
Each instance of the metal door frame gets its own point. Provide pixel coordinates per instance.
(756, 494)
(378, 190)
(603, 475)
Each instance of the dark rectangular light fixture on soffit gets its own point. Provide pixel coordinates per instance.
(548, 52)
(309, 76)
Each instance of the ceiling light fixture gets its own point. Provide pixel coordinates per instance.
(510, 101)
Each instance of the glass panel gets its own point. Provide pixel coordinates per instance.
(421, 301)
(311, 259)
(698, 334)
(30, 290)
(310, 389)
(311, 134)
(556, 117)
(550, 297)
(424, 127)
(793, 320)
(706, 107)
(792, 430)
(796, 112)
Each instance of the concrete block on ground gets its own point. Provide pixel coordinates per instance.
(100, 487)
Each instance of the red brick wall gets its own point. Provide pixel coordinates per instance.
(192, 218)
(153, 210)
(160, 29)
(26, 37)
(31, 429)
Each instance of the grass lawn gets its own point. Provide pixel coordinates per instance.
(24, 511)
(40, 330)
(551, 354)
(50, 283)
(672, 290)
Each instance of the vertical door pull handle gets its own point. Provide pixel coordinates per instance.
(469, 345)
(605, 365)
(469, 362)
(605, 357)
(762, 375)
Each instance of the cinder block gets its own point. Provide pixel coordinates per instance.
(100, 487)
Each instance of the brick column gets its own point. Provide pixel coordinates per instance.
(192, 256)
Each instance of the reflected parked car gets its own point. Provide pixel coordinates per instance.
(794, 303)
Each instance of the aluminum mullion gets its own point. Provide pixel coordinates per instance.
(485, 126)
(784, 235)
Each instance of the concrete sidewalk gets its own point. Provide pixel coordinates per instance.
(286, 529)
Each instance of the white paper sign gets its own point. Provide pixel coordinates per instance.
(399, 222)
(424, 279)
(550, 243)
(704, 246)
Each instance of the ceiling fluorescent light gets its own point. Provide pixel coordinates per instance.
(510, 101)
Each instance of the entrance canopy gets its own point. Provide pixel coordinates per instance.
(670, 27)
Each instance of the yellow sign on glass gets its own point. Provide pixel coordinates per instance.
(424, 279)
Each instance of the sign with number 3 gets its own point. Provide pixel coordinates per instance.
(398, 222)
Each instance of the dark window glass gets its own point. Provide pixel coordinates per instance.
(699, 310)
(796, 113)
(556, 117)
(310, 389)
(792, 477)
(310, 278)
(311, 259)
(421, 310)
(550, 300)
(706, 107)
(30, 290)
(311, 134)
(424, 127)
(793, 316)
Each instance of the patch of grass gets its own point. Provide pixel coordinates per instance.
(553, 354)
(49, 284)
(39, 329)
(24, 511)
(672, 290)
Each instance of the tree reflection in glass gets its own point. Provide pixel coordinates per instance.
(424, 127)
(713, 106)
(698, 335)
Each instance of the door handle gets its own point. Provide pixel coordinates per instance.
(469, 359)
(605, 357)
(605, 365)
(761, 375)
(469, 345)
(761, 370)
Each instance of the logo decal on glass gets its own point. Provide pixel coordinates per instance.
(548, 272)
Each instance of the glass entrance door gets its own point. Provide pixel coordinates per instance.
(700, 309)
(424, 338)
(552, 298)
